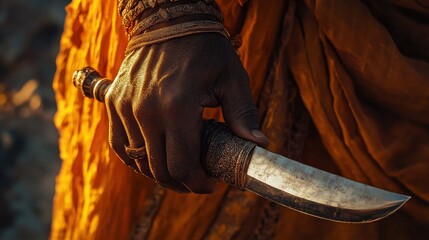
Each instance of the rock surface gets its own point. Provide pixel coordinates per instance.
(29, 158)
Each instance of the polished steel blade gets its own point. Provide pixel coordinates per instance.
(316, 192)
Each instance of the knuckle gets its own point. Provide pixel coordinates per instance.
(173, 100)
(116, 99)
(109, 97)
(122, 105)
(145, 100)
(108, 100)
(172, 96)
(144, 110)
(114, 105)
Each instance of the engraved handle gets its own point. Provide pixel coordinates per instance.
(224, 155)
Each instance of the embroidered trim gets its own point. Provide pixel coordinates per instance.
(165, 14)
(175, 31)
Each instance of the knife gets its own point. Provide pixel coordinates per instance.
(242, 164)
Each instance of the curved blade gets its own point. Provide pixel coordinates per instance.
(316, 192)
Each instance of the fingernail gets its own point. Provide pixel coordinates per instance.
(258, 134)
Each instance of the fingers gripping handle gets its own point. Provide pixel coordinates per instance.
(224, 155)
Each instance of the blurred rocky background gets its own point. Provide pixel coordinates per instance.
(29, 159)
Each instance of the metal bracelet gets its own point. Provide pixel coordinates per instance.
(131, 9)
(126, 5)
(165, 14)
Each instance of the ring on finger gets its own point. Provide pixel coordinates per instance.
(138, 153)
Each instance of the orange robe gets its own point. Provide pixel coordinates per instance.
(340, 85)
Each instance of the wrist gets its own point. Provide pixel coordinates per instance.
(141, 17)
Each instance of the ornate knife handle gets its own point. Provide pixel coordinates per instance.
(224, 155)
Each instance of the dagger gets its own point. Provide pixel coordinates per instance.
(242, 164)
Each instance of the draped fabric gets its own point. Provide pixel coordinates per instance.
(341, 86)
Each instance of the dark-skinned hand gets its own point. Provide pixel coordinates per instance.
(157, 100)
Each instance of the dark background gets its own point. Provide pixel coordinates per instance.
(30, 31)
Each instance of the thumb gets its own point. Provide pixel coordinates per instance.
(239, 111)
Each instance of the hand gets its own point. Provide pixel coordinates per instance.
(158, 100)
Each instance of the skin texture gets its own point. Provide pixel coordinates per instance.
(158, 100)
